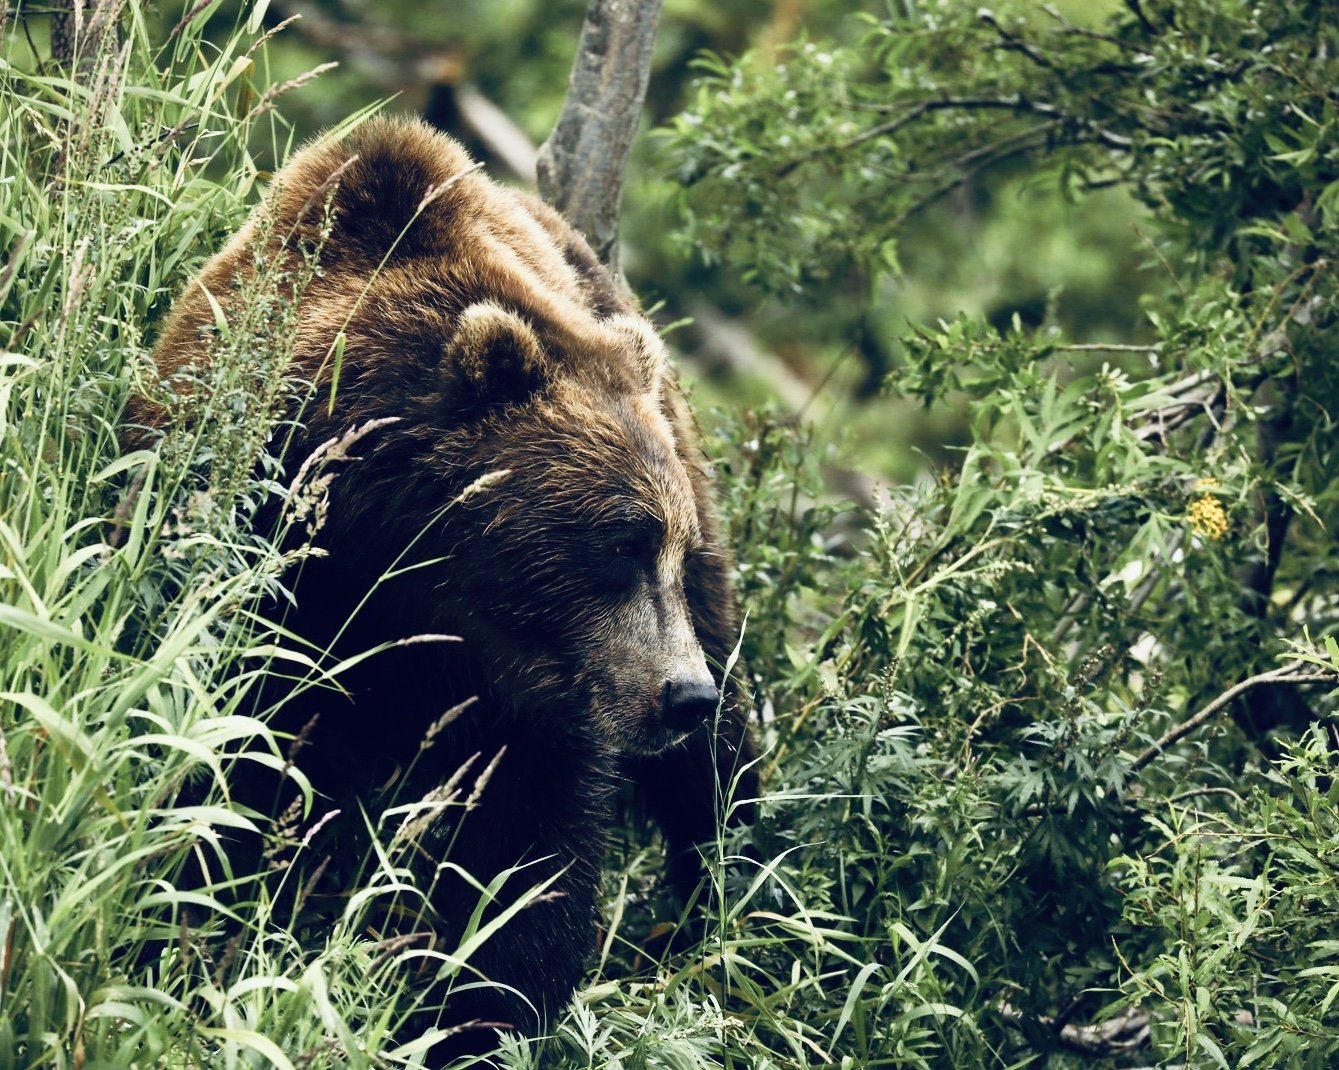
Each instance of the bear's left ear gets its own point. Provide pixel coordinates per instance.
(493, 358)
(639, 340)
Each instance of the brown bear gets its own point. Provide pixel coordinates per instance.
(537, 492)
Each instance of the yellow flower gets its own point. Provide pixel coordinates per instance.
(1206, 516)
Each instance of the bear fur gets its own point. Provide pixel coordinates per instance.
(542, 497)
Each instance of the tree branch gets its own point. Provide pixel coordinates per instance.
(1125, 1032)
(1137, 9)
(1288, 674)
(722, 341)
(976, 161)
(581, 165)
(916, 111)
(497, 132)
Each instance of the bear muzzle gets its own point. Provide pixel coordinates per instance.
(686, 703)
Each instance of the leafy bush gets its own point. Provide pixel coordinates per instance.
(1063, 655)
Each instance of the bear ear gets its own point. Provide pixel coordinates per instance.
(639, 340)
(493, 358)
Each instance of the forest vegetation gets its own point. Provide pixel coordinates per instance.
(1013, 333)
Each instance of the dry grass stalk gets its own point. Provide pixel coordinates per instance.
(305, 499)
(483, 780)
(435, 729)
(266, 102)
(417, 821)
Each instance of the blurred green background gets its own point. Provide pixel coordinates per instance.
(1006, 246)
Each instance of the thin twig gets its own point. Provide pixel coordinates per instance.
(925, 107)
(1111, 347)
(1004, 149)
(1013, 41)
(1137, 9)
(1092, 35)
(1288, 674)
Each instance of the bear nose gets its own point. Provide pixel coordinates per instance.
(685, 704)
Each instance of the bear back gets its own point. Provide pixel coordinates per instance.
(435, 277)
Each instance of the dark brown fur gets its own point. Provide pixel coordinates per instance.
(484, 324)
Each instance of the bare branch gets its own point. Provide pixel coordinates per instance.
(1110, 347)
(1126, 1032)
(1012, 41)
(724, 341)
(1138, 10)
(1288, 674)
(911, 112)
(976, 161)
(497, 132)
(581, 165)
(718, 341)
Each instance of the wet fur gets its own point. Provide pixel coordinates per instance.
(485, 325)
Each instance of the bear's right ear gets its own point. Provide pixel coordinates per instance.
(493, 358)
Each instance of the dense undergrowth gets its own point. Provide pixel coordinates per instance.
(1016, 815)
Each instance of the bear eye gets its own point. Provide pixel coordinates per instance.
(632, 546)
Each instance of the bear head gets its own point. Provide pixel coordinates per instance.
(572, 526)
(531, 489)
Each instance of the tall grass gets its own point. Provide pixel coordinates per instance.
(127, 579)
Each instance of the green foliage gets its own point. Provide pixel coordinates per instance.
(1216, 112)
(1030, 645)
(1240, 898)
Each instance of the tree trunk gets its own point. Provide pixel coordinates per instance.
(581, 166)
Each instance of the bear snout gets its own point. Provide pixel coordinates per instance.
(686, 703)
